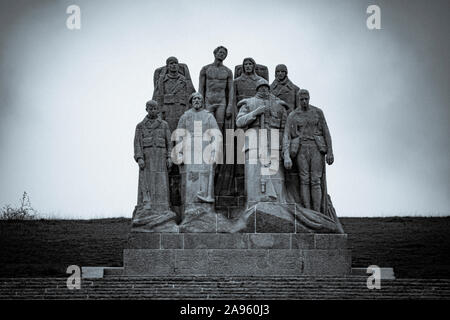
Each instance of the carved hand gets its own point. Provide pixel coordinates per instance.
(288, 163)
(329, 158)
(141, 164)
(259, 111)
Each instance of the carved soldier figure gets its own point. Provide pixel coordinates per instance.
(172, 92)
(263, 111)
(152, 152)
(283, 88)
(215, 85)
(307, 141)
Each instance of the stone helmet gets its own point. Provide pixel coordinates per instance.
(262, 82)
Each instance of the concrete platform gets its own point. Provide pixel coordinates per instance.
(240, 254)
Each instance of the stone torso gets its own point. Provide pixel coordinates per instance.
(305, 124)
(174, 89)
(216, 83)
(153, 133)
(173, 94)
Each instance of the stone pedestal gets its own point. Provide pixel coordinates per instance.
(237, 254)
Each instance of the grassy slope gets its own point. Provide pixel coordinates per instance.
(415, 247)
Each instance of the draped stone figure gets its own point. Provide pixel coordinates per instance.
(152, 150)
(199, 143)
(283, 88)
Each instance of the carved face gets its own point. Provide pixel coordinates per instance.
(263, 91)
(197, 102)
(173, 66)
(281, 74)
(248, 66)
(152, 110)
(221, 54)
(304, 100)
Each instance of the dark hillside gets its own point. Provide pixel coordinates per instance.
(415, 247)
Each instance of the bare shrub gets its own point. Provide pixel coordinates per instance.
(24, 212)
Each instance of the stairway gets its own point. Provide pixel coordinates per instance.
(231, 288)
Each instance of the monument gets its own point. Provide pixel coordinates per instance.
(287, 225)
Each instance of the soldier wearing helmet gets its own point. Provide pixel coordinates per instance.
(263, 111)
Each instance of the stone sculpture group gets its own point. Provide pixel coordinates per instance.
(179, 195)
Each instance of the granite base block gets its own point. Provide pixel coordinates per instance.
(240, 254)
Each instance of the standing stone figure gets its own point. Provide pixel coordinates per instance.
(231, 182)
(307, 141)
(172, 92)
(152, 152)
(215, 85)
(263, 111)
(244, 86)
(283, 88)
(199, 142)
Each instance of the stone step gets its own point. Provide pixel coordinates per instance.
(301, 287)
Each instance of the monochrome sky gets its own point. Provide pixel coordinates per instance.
(70, 100)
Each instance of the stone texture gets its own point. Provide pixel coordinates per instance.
(330, 241)
(254, 262)
(215, 241)
(271, 218)
(149, 261)
(172, 241)
(191, 262)
(327, 262)
(143, 240)
(269, 241)
(200, 218)
(302, 241)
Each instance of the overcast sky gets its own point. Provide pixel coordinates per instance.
(70, 100)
